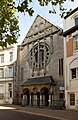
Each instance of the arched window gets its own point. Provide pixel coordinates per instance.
(40, 55)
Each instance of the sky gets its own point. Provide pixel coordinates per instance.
(25, 21)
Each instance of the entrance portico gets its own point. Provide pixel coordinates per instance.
(39, 93)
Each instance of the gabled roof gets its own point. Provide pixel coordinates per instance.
(39, 20)
(40, 80)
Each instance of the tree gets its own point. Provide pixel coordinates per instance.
(9, 29)
(24, 6)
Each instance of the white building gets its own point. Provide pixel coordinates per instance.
(71, 59)
(8, 57)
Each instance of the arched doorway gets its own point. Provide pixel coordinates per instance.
(45, 96)
(34, 97)
(26, 96)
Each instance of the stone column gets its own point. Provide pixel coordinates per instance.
(50, 100)
(30, 99)
(40, 100)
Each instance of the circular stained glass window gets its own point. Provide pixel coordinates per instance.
(39, 55)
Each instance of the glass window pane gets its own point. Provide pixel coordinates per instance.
(11, 56)
(72, 99)
(76, 21)
(10, 94)
(41, 56)
(73, 72)
(22, 74)
(1, 73)
(75, 42)
(10, 72)
(2, 58)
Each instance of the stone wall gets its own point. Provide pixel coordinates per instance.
(50, 37)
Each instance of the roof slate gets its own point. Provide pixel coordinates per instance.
(39, 80)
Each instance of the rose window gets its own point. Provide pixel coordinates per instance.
(39, 55)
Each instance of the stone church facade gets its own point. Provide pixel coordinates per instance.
(40, 64)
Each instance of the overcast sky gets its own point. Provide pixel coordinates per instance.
(25, 21)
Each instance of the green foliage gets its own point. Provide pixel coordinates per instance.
(24, 6)
(9, 29)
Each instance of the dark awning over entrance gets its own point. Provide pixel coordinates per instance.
(40, 80)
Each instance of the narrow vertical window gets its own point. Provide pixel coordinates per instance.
(72, 99)
(10, 71)
(75, 42)
(74, 73)
(21, 74)
(61, 66)
(1, 73)
(10, 94)
(11, 56)
(2, 58)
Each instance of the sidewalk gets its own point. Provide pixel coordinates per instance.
(64, 114)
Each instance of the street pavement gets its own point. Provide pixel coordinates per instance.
(11, 114)
(60, 114)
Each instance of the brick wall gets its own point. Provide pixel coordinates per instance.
(69, 46)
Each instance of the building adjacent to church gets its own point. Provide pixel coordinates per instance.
(8, 57)
(40, 64)
(71, 59)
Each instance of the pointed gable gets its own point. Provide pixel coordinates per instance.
(39, 25)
